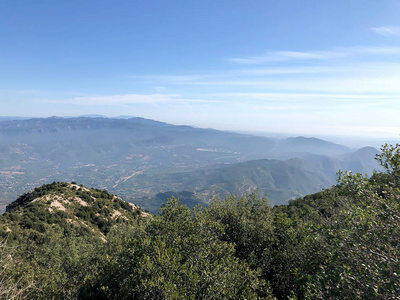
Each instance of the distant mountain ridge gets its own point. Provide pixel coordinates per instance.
(303, 144)
(118, 154)
(281, 180)
(10, 118)
(208, 137)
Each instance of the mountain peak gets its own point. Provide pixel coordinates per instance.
(72, 207)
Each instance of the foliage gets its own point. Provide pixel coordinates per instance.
(77, 211)
(390, 159)
(247, 221)
(59, 265)
(341, 243)
(356, 249)
(10, 288)
(177, 255)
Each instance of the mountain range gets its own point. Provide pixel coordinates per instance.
(145, 161)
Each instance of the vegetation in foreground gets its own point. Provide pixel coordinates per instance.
(342, 243)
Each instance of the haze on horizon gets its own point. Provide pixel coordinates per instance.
(306, 67)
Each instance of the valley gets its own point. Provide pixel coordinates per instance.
(145, 161)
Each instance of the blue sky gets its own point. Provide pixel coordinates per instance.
(307, 67)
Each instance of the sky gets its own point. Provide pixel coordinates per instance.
(311, 67)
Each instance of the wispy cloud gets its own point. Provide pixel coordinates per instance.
(369, 61)
(309, 102)
(277, 56)
(188, 79)
(387, 30)
(172, 78)
(343, 52)
(159, 88)
(284, 71)
(364, 76)
(122, 99)
(376, 50)
(127, 99)
(290, 97)
(344, 84)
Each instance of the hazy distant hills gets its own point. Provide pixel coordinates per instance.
(313, 145)
(130, 134)
(9, 118)
(361, 160)
(281, 180)
(139, 159)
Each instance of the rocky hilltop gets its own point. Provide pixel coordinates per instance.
(69, 207)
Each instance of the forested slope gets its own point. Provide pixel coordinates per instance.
(341, 243)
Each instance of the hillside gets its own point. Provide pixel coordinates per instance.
(74, 209)
(281, 180)
(302, 145)
(359, 161)
(69, 242)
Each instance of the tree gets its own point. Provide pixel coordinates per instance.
(390, 159)
(176, 255)
(248, 223)
(359, 247)
(11, 286)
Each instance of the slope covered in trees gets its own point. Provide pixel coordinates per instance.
(341, 243)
